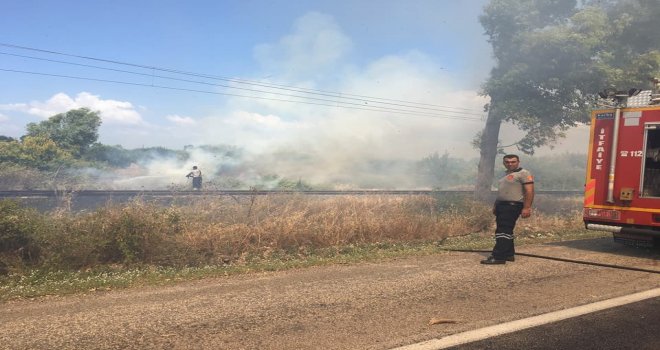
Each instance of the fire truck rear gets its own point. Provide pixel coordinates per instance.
(622, 188)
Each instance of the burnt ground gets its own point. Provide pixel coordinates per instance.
(362, 306)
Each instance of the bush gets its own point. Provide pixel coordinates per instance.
(17, 225)
(219, 230)
(18, 177)
(125, 234)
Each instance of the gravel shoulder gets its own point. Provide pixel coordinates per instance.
(363, 306)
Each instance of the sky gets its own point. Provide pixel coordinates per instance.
(337, 80)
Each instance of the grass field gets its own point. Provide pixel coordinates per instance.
(142, 243)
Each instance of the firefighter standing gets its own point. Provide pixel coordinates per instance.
(196, 175)
(514, 199)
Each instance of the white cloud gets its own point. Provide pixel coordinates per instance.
(3, 118)
(112, 111)
(179, 120)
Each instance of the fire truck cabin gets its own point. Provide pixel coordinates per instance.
(622, 187)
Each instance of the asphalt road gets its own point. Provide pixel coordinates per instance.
(634, 326)
(377, 305)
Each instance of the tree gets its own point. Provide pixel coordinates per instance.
(552, 58)
(115, 156)
(442, 172)
(37, 152)
(74, 131)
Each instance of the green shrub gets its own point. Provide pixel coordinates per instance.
(17, 226)
(19, 177)
(224, 230)
(132, 233)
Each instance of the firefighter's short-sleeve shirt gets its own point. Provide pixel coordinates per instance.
(511, 185)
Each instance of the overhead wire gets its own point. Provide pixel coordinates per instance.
(362, 98)
(243, 81)
(229, 94)
(373, 108)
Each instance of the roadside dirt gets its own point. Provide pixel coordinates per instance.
(366, 306)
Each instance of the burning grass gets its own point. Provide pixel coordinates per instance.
(120, 245)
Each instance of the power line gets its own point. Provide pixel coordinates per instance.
(261, 84)
(244, 89)
(237, 95)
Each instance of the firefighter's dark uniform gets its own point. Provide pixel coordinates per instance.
(508, 206)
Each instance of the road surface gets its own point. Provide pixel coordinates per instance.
(364, 306)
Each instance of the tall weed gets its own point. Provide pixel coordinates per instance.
(221, 230)
(17, 244)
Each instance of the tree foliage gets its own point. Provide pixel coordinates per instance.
(74, 131)
(561, 172)
(20, 177)
(553, 57)
(443, 172)
(117, 156)
(37, 151)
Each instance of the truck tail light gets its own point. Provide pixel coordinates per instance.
(607, 214)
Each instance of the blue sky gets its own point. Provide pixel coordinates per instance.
(427, 58)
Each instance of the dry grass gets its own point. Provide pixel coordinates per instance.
(121, 245)
(212, 230)
(229, 229)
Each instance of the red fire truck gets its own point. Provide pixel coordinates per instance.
(622, 188)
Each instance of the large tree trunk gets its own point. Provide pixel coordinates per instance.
(488, 148)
